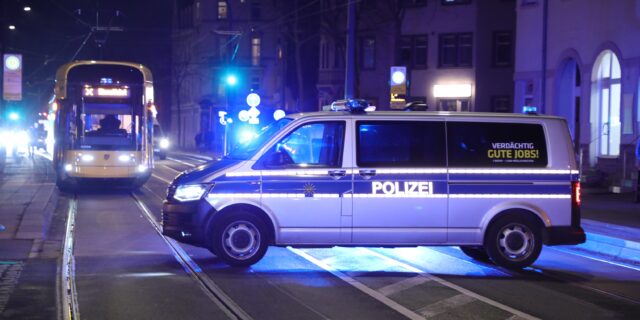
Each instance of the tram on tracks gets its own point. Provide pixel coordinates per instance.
(103, 127)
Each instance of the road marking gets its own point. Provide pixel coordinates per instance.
(182, 162)
(213, 292)
(161, 178)
(172, 169)
(453, 286)
(445, 305)
(358, 285)
(68, 274)
(403, 285)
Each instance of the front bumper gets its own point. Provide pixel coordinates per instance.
(186, 221)
(564, 235)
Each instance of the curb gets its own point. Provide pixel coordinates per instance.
(617, 248)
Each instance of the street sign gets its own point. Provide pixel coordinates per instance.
(12, 77)
(398, 86)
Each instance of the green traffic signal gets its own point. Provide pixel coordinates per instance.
(231, 80)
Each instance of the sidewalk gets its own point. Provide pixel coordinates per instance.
(28, 252)
(612, 224)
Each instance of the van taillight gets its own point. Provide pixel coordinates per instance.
(575, 193)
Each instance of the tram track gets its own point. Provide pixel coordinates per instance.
(69, 294)
(208, 286)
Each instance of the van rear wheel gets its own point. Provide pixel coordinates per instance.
(475, 252)
(240, 239)
(513, 241)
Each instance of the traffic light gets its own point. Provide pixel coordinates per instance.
(231, 79)
(398, 86)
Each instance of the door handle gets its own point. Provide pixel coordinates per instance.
(337, 174)
(367, 174)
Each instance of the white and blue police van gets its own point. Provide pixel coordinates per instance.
(497, 185)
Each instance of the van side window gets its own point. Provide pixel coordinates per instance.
(400, 144)
(316, 145)
(485, 144)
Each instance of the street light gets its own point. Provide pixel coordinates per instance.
(12, 27)
(27, 8)
(14, 116)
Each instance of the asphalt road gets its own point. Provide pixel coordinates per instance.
(121, 267)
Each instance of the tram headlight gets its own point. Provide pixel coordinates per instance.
(68, 167)
(126, 158)
(190, 192)
(164, 143)
(87, 157)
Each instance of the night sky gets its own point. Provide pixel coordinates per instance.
(55, 32)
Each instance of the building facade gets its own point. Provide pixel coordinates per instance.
(223, 51)
(458, 54)
(591, 77)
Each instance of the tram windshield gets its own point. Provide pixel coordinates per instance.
(108, 126)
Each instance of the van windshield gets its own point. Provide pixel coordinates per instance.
(247, 149)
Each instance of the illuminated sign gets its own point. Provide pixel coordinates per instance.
(402, 188)
(452, 90)
(12, 77)
(102, 92)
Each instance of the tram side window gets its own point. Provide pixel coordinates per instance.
(400, 144)
(316, 145)
(485, 144)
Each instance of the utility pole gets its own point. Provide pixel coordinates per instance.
(350, 70)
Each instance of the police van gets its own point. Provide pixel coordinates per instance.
(497, 185)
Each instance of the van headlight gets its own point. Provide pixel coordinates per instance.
(164, 143)
(190, 192)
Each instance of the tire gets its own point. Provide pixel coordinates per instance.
(514, 241)
(240, 239)
(475, 252)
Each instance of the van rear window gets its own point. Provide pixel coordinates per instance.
(486, 144)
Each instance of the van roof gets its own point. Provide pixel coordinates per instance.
(409, 114)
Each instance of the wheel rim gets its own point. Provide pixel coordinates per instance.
(516, 241)
(241, 240)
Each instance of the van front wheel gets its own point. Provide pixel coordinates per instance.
(240, 239)
(513, 241)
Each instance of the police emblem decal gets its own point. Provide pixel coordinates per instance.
(309, 190)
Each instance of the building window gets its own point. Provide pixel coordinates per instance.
(255, 51)
(454, 2)
(455, 50)
(324, 54)
(413, 51)
(605, 116)
(501, 104)
(411, 3)
(255, 83)
(502, 49)
(368, 53)
(223, 10)
(255, 10)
